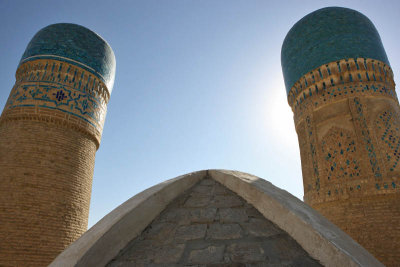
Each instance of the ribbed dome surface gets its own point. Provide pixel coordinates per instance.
(74, 44)
(326, 35)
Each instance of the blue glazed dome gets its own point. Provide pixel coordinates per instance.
(327, 35)
(74, 44)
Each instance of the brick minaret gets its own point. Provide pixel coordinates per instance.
(341, 90)
(50, 130)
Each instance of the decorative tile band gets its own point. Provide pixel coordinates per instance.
(64, 59)
(76, 95)
(338, 80)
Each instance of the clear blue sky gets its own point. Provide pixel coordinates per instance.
(198, 85)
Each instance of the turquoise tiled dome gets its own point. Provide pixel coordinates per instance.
(76, 45)
(326, 35)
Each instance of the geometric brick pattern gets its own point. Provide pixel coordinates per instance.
(388, 133)
(339, 150)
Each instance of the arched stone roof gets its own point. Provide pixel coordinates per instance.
(322, 240)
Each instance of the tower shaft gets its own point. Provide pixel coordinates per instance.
(347, 118)
(50, 130)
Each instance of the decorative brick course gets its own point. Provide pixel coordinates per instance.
(226, 231)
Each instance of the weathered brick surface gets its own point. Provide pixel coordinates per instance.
(45, 186)
(224, 231)
(371, 220)
(347, 118)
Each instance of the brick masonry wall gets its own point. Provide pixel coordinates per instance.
(45, 186)
(50, 130)
(373, 220)
(347, 118)
(211, 226)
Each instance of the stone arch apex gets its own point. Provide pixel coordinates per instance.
(319, 237)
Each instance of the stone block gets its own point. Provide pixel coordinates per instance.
(228, 215)
(261, 228)
(207, 181)
(205, 215)
(203, 189)
(282, 248)
(253, 212)
(169, 254)
(246, 252)
(163, 233)
(227, 201)
(221, 190)
(196, 201)
(179, 216)
(224, 231)
(190, 232)
(211, 254)
(142, 250)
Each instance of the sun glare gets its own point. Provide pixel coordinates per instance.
(280, 117)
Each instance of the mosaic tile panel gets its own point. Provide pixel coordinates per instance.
(58, 97)
(339, 151)
(388, 132)
(361, 124)
(58, 92)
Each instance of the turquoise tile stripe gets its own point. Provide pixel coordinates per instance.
(74, 44)
(327, 35)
